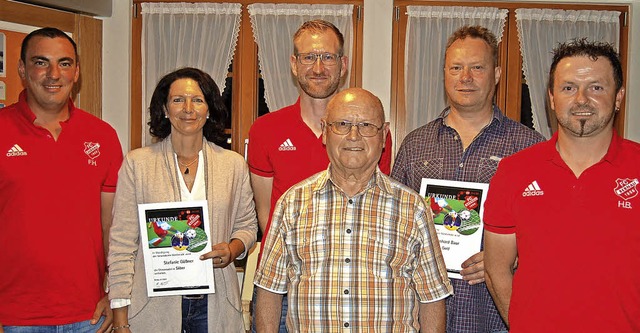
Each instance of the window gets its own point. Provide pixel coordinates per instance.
(243, 89)
(512, 95)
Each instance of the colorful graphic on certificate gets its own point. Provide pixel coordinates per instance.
(457, 213)
(174, 235)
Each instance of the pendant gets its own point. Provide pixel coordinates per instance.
(186, 171)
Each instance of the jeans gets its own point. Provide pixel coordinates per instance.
(194, 314)
(283, 314)
(79, 327)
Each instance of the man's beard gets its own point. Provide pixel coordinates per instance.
(582, 122)
(313, 92)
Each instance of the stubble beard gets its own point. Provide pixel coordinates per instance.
(317, 92)
(584, 128)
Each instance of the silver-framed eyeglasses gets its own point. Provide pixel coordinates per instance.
(364, 128)
(311, 58)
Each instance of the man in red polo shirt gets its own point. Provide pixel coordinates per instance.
(58, 172)
(285, 146)
(568, 209)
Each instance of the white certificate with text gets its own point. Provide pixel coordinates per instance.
(174, 235)
(457, 213)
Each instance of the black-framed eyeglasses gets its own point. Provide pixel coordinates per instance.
(311, 58)
(344, 127)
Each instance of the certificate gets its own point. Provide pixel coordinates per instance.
(173, 236)
(457, 213)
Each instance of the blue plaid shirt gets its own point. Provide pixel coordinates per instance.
(435, 151)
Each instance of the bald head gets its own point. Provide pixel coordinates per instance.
(357, 99)
(354, 132)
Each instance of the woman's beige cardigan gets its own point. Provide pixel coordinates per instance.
(150, 175)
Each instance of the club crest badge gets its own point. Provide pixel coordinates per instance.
(92, 149)
(626, 188)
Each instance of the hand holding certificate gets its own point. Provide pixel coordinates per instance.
(174, 236)
(457, 208)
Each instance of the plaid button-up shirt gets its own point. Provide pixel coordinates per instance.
(361, 263)
(435, 151)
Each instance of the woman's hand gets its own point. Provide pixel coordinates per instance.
(222, 254)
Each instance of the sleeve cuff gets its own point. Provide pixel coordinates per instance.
(120, 303)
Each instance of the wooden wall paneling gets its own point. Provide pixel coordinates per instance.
(88, 36)
(511, 62)
(356, 63)
(36, 16)
(136, 78)
(398, 107)
(245, 83)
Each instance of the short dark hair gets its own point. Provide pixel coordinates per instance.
(46, 32)
(476, 31)
(318, 26)
(583, 47)
(160, 126)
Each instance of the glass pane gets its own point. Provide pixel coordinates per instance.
(227, 97)
(526, 115)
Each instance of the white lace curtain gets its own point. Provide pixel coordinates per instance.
(540, 31)
(174, 35)
(428, 29)
(273, 28)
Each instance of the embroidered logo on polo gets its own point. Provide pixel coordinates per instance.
(626, 189)
(16, 151)
(533, 190)
(92, 149)
(287, 145)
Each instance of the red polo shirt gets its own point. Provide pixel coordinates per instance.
(51, 249)
(578, 239)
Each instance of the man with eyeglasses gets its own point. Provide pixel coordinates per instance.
(465, 143)
(286, 146)
(351, 247)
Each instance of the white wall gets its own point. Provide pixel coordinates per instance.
(376, 61)
(116, 70)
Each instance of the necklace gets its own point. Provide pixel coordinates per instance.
(187, 165)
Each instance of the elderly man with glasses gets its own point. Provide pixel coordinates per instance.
(352, 248)
(286, 146)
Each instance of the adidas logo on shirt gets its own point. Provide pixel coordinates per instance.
(16, 151)
(533, 190)
(287, 145)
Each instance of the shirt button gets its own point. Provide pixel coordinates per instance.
(348, 231)
(346, 325)
(347, 260)
(346, 291)
(461, 165)
(350, 201)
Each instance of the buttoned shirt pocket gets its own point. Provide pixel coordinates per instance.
(487, 168)
(308, 248)
(432, 168)
(384, 258)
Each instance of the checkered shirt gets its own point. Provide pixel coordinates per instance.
(435, 151)
(361, 263)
